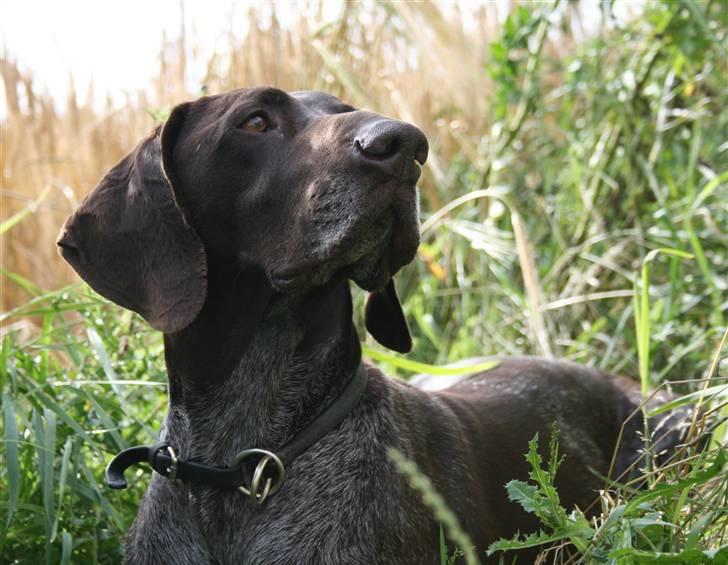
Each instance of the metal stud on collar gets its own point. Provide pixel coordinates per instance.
(269, 486)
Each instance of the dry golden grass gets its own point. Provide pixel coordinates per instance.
(60, 153)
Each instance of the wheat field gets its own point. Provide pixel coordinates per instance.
(55, 151)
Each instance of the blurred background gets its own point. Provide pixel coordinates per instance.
(575, 202)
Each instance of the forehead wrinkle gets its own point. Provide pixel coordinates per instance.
(321, 102)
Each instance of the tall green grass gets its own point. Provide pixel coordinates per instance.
(576, 205)
(89, 383)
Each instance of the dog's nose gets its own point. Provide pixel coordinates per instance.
(392, 147)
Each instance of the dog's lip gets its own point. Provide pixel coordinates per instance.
(288, 280)
(411, 172)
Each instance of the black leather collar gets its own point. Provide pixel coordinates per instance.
(162, 458)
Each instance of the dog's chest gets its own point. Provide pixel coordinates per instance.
(342, 502)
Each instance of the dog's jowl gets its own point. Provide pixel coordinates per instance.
(235, 229)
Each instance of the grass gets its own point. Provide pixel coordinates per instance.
(652, 526)
(88, 384)
(575, 204)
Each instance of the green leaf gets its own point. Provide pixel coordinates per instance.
(698, 529)
(524, 494)
(664, 490)
(717, 552)
(685, 557)
(443, 547)
(30, 208)
(422, 484)
(709, 189)
(45, 433)
(417, 367)
(530, 540)
(710, 393)
(11, 456)
(27, 285)
(97, 495)
(66, 548)
(65, 459)
(98, 346)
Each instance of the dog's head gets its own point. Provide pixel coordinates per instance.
(300, 185)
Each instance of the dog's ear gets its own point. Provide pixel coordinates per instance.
(385, 321)
(131, 242)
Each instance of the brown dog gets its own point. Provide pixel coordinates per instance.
(235, 229)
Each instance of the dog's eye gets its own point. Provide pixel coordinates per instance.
(257, 123)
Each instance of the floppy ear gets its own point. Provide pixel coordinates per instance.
(131, 242)
(384, 319)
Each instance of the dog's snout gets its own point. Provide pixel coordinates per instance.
(66, 240)
(393, 147)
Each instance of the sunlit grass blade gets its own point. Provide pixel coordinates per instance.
(424, 487)
(62, 477)
(709, 394)
(29, 286)
(642, 313)
(16, 218)
(417, 367)
(66, 548)
(94, 492)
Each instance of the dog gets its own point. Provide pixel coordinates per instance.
(235, 229)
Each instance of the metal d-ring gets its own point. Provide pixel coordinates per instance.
(172, 469)
(269, 487)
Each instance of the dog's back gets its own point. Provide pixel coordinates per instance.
(596, 414)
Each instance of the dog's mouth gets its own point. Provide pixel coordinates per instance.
(368, 262)
(370, 255)
(396, 248)
(373, 269)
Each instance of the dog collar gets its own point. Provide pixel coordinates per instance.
(265, 482)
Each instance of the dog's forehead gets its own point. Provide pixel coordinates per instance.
(321, 102)
(211, 108)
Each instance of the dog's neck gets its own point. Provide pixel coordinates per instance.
(255, 367)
